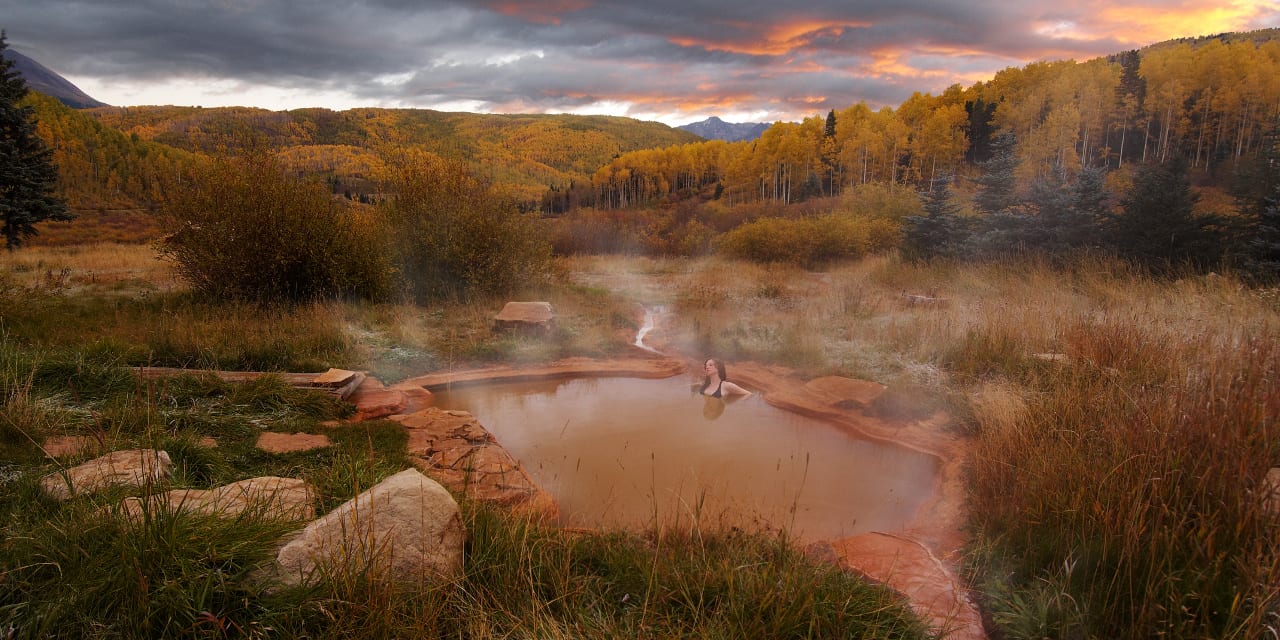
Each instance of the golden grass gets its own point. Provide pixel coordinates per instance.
(88, 268)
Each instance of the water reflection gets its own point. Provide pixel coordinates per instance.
(712, 408)
(627, 452)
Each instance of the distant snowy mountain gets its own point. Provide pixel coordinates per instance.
(39, 78)
(714, 128)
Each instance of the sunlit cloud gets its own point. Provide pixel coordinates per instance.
(538, 11)
(668, 60)
(1142, 24)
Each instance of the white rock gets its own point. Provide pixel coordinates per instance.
(407, 527)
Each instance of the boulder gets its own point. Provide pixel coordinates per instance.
(407, 527)
(131, 468)
(374, 400)
(537, 317)
(271, 496)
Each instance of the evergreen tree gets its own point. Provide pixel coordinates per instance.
(1090, 205)
(830, 152)
(1258, 192)
(1131, 93)
(979, 129)
(940, 233)
(1263, 258)
(28, 177)
(1158, 226)
(997, 186)
(1067, 213)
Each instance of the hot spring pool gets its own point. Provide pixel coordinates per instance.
(626, 452)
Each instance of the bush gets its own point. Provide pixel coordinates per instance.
(810, 242)
(880, 200)
(592, 231)
(244, 229)
(457, 236)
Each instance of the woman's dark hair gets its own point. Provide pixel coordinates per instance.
(706, 381)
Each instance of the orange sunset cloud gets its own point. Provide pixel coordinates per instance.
(538, 11)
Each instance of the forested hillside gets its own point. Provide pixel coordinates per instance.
(1211, 101)
(101, 167)
(528, 153)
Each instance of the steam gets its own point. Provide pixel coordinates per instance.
(650, 317)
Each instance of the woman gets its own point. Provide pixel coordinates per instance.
(715, 384)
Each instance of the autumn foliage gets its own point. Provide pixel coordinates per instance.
(242, 228)
(456, 236)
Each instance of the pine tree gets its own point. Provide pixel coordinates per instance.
(28, 177)
(1067, 213)
(1261, 209)
(1158, 226)
(940, 233)
(1131, 93)
(997, 186)
(979, 129)
(830, 152)
(1263, 261)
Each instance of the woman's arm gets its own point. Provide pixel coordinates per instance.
(731, 389)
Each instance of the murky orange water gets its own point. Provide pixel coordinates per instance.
(622, 452)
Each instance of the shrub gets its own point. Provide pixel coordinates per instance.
(809, 242)
(880, 200)
(244, 229)
(457, 236)
(592, 231)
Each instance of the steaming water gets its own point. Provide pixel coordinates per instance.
(622, 452)
(646, 327)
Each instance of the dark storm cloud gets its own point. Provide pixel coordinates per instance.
(659, 57)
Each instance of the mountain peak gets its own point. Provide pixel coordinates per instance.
(40, 78)
(714, 128)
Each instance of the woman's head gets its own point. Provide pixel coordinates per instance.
(715, 366)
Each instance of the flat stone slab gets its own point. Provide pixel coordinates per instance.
(454, 449)
(339, 382)
(130, 468)
(285, 498)
(273, 442)
(525, 315)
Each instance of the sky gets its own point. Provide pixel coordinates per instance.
(675, 61)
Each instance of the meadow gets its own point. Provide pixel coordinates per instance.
(1121, 428)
